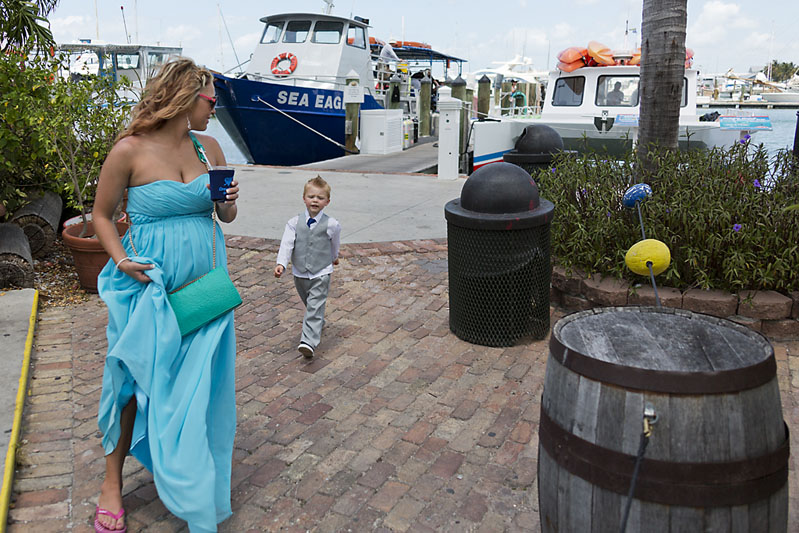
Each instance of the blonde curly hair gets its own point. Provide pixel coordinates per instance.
(170, 93)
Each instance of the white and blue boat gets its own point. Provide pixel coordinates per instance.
(287, 108)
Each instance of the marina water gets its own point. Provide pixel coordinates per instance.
(783, 122)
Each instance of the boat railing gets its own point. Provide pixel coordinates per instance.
(520, 111)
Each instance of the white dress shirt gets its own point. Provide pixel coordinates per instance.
(287, 244)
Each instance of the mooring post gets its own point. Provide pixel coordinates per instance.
(424, 106)
(353, 98)
(483, 97)
(459, 92)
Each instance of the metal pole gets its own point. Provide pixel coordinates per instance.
(795, 162)
(796, 138)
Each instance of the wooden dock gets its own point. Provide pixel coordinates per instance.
(746, 104)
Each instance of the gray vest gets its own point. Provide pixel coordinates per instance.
(312, 250)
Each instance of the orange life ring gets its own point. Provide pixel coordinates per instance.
(600, 53)
(292, 64)
(572, 54)
(569, 67)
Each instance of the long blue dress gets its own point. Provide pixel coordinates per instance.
(184, 386)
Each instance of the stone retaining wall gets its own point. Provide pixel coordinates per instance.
(769, 312)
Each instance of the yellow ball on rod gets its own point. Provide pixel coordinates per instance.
(648, 251)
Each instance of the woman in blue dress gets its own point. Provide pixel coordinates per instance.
(168, 400)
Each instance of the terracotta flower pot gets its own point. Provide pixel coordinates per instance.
(89, 255)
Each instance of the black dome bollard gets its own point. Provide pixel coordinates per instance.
(499, 261)
(535, 148)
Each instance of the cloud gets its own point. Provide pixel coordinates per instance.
(715, 21)
(183, 33)
(245, 44)
(72, 28)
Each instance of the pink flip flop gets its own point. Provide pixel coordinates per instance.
(100, 528)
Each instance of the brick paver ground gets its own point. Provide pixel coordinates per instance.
(397, 425)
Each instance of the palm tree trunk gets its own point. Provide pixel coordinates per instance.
(662, 72)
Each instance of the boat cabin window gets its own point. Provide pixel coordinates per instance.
(622, 91)
(127, 61)
(155, 60)
(617, 91)
(297, 31)
(327, 32)
(356, 36)
(272, 32)
(568, 91)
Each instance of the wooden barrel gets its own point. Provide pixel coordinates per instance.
(717, 458)
(39, 219)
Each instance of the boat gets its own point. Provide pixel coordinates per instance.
(137, 62)
(596, 108)
(785, 97)
(287, 108)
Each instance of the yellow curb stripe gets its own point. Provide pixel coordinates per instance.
(11, 455)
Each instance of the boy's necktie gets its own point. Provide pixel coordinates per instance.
(311, 221)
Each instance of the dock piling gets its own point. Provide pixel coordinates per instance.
(353, 98)
(424, 106)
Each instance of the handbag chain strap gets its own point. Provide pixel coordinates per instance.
(204, 158)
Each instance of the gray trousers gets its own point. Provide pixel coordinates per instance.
(313, 293)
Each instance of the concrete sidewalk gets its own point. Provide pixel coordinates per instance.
(371, 207)
(397, 425)
(15, 315)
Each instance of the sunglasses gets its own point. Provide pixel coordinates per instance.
(212, 101)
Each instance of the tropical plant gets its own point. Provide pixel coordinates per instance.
(721, 212)
(783, 71)
(662, 71)
(54, 132)
(24, 24)
(87, 117)
(26, 165)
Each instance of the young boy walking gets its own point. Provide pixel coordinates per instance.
(311, 241)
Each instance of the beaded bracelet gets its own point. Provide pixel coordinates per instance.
(122, 261)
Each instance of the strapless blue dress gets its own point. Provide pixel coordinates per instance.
(184, 386)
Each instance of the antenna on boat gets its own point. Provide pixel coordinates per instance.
(329, 8)
(627, 30)
(127, 36)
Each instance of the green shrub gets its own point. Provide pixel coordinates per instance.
(722, 213)
(26, 158)
(54, 133)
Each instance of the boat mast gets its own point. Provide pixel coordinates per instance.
(329, 8)
(96, 22)
(136, 19)
(125, 24)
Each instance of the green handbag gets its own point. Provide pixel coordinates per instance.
(204, 299)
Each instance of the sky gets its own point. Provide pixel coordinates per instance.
(723, 34)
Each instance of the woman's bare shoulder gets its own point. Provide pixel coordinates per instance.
(212, 148)
(207, 141)
(124, 149)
